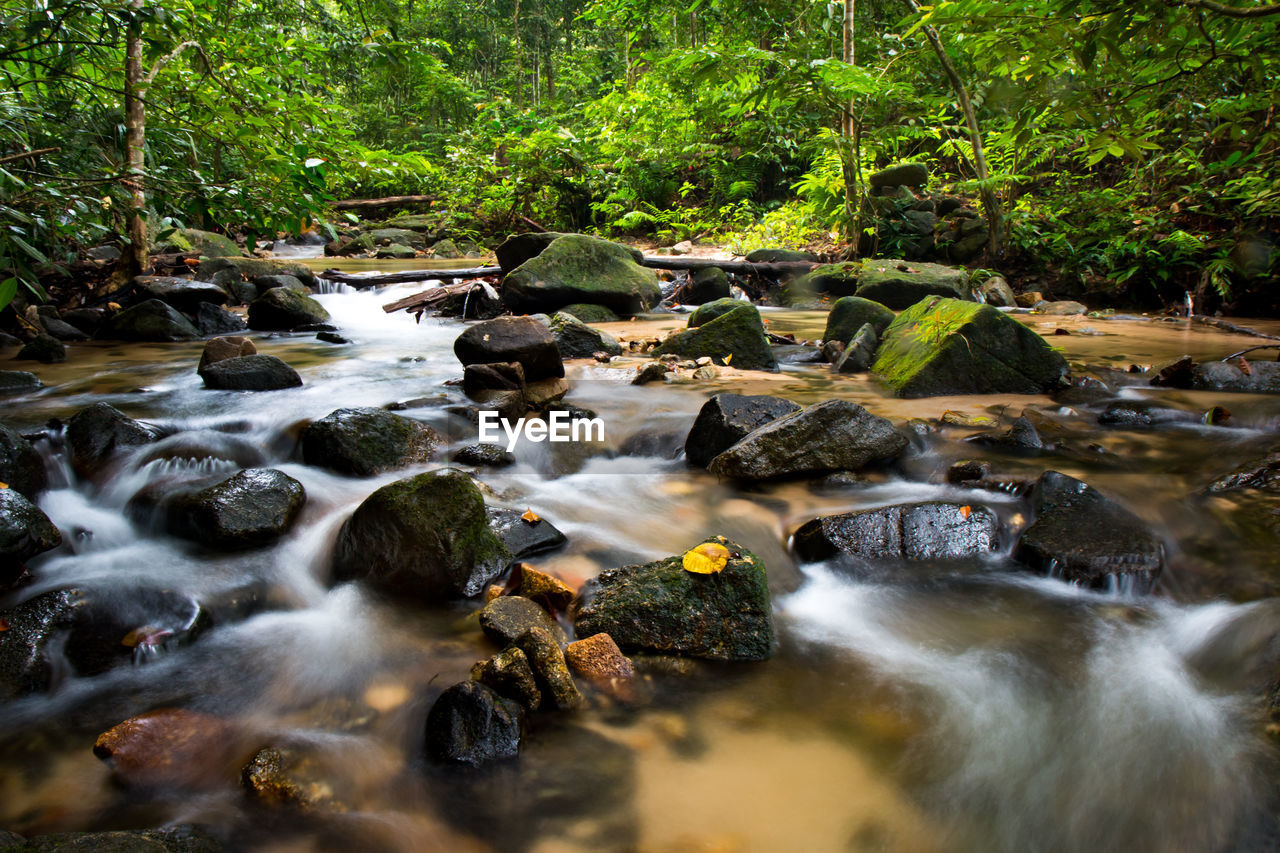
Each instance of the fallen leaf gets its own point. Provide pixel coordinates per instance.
(531, 516)
(728, 358)
(4, 624)
(4, 485)
(965, 510)
(707, 559)
(1244, 366)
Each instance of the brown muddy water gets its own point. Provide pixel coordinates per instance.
(917, 708)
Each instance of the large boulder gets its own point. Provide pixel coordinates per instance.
(835, 435)
(997, 293)
(213, 320)
(94, 434)
(899, 285)
(1082, 536)
(471, 724)
(705, 285)
(519, 248)
(836, 279)
(715, 309)
(281, 309)
(206, 243)
(363, 442)
(737, 337)
(589, 313)
(851, 313)
(923, 531)
(151, 320)
(252, 508)
(14, 382)
(426, 536)
(397, 237)
(576, 339)
(726, 419)
(1262, 377)
(184, 294)
(223, 348)
(21, 467)
(250, 373)
(661, 607)
(251, 268)
(577, 268)
(900, 175)
(512, 339)
(948, 346)
(25, 531)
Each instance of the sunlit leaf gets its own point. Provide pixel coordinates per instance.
(706, 559)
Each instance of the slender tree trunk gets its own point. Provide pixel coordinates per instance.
(135, 137)
(849, 132)
(990, 202)
(515, 27)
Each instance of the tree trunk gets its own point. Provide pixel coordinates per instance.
(990, 203)
(135, 137)
(849, 164)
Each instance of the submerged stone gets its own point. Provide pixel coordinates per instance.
(471, 724)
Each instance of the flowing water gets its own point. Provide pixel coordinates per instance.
(924, 708)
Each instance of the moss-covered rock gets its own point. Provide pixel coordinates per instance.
(947, 346)
(251, 268)
(209, 244)
(426, 536)
(899, 285)
(850, 313)
(252, 508)
(738, 334)
(773, 256)
(151, 320)
(705, 286)
(396, 251)
(709, 311)
(281, 309)
(446, 248)
(397, 237)
(20, 464)
(576, 339)
(588, 313)
(578, 268)
(367, 441)
(661, 607)
(837, 279)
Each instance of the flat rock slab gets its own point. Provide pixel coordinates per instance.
(923, 531)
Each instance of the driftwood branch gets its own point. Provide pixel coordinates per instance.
(775, 268)
(427, 298)
(1231, 327)
(375, 203)
(33, 154)
(1236, 355)
(361, 281)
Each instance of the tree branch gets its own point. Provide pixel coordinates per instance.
(1227, 11)
(170, 57)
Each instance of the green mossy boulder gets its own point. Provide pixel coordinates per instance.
(251, 268)
(578, 340)
(577, 268)
(367, 441)
(426, 537)
(901, 175)
(899, 285)
(836, 279)
(281, 309)
(709, 311)
(851, 313)
(588, 313)
(396, 251)
(948, 346)
(397, 237)
(661, 607)
(738, 333)
(774, 256)
(705, 286)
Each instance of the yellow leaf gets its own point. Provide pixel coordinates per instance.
(964, 511)
(4, 485)
(728, 358)
(707, 559)
(531, 516)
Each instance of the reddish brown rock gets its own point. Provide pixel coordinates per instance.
(221, 349)
(549, 591)
(173, 748)
(599, 660)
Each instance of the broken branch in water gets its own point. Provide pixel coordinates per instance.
(361, 281)
(1251, 349)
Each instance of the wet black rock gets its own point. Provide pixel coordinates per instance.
(250, 373)
(1021, 435)
(57, 327)
(14, 382)
(151, 320)
(43, 348)
(834, 435)
(471, 724)
(289, 282)
(1140, 415)
(252, 508)
(705, 285)
(1263, 474)
(185, 295)
(860, 352)
(87, 320)
(96, 433)
(524, 538)
(173, 839)
(26, 660)
(114, 627)
(518, 248)
(661, 607)
(21, 466)
(282, 309)
(426, 536)
(505, 619)
(332, 338)
(1260, 377)
(726, 419)
(512, 339)
(576, 339)
(544, 650)
(214, 320)
(1084, 537)
(363, 442)
(773, 256)
(25, 531)
(1174, 374)
(486, 455)
(851, 313)
(509, 673)
(923, 531)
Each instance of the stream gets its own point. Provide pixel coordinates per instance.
(920, 708)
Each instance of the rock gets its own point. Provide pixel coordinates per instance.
(773, 256)
(181, 293)
(860, 353)
(173, 839)
(598, 660)
(25, 531)
(8, 340)
(577, 268)
(15, 382)
(21, 466)
(94, 434)
(900, 175)
(661, 607)
(705, 285)
(737, 337)
(393, 236)
(590, 313)
(151, 320)
(87, 320)
(835, 435)
(29, 649)
(523, 538)
(997, 293)
(56, 327)
(541, 588)
(43, 348)
(510, 675)
(250, 373)
(395, 250)
(489, 455)
(850, 313)
(498, 376)
(251, 268)
(923, 531)
(1141, 414)
(471, 724)
(364, 442)
(221, 349)
(836, 279)
(170, 748)
(105, 252)
(684, 247)
(212, 320)
(263, 283)
(332, 338)
(964, 238)
(543, 649)
(518, 248)
(1262, 377)
(1263, 474)
(1085, 538)
(709, 311)
(1178, 373)
(426, 536)
(252, 508)
(294, 777)
(282, 309)
(1062, 308)
(899, 285)
(1021, 435)
(726, 419)
(446, 248)
(654, 371)
(507, 339)
(206, 243)
(507, 617)
(576, 339)
(946, 346)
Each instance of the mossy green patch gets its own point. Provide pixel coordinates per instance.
(837, 279)
(851, 313)
(578, 268)
(738, 333)
(709, 311)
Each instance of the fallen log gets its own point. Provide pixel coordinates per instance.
(360, 281)
(1232, 327)
(427, 298)
(773, 269)
(376, 203)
